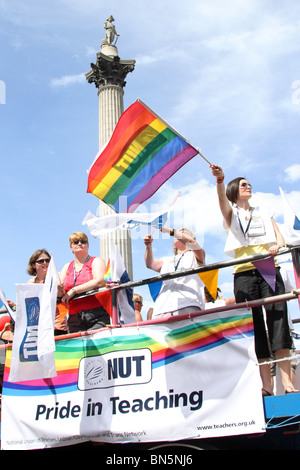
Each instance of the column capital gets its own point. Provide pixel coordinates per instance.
(109, 71)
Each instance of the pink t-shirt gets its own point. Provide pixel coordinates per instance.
(77, 278)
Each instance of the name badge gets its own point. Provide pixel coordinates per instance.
(257, 227)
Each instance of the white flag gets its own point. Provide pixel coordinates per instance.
(46, 342)
(124, 296)
(291, 227)
(5, 303)
(33, 346)
(99, 226)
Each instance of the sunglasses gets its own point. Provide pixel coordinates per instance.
(139, 302)
(83, 242)
(42, 261)
(245, 185)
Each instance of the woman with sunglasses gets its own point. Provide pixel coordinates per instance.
(183, 294)
(138, 304)
(85, 273)
(252, 231)
(37, 268)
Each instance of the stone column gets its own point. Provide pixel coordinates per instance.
(110, 109)
(109, 75)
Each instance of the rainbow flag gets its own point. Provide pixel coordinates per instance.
(141, 155)
(108, 276)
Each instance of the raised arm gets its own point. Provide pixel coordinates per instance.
(188, 241)
(224, 204)
(150, 261)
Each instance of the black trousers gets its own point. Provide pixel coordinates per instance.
(250, 285)
(92, 319)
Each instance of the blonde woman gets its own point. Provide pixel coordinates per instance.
(182, 294)
(83, 274)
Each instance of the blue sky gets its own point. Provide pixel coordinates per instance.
(224, 74)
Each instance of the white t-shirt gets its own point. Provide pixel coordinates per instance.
(181, 292)
(249, 229)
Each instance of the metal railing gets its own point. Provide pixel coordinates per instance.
(295, 252)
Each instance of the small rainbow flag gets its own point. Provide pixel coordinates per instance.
(141, 155)
(108, 276)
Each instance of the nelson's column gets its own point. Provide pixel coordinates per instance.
(109, 75)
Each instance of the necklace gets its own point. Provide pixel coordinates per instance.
(247, 219)
(177, 260)
(76, 273)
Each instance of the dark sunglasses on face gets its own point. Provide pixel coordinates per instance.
(41, 261)
(83, 242)
(139, 302)
(245, 185)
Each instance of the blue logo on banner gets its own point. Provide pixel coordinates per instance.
(28, 347)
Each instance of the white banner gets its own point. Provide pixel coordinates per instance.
(33, 346)
(46, 342)
(192, 378)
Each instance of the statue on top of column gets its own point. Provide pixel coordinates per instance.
(110, 32)
(109, 68)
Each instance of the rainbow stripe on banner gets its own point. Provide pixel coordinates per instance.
(189, 339)
(141, 155)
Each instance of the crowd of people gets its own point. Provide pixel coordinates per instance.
(250, 231)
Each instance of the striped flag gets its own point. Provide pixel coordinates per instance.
(141, 155)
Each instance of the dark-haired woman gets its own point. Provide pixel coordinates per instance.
(252, 231)
(37, 268)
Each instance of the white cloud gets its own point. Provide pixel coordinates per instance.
(293, 173)
(197, 208)
(67, 80)
(91, 51)
(146, 59)
(234, 70)
(272, 202)
(227, 287)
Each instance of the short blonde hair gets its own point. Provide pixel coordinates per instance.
(188, 232)
(137, 297)
(78, 236)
